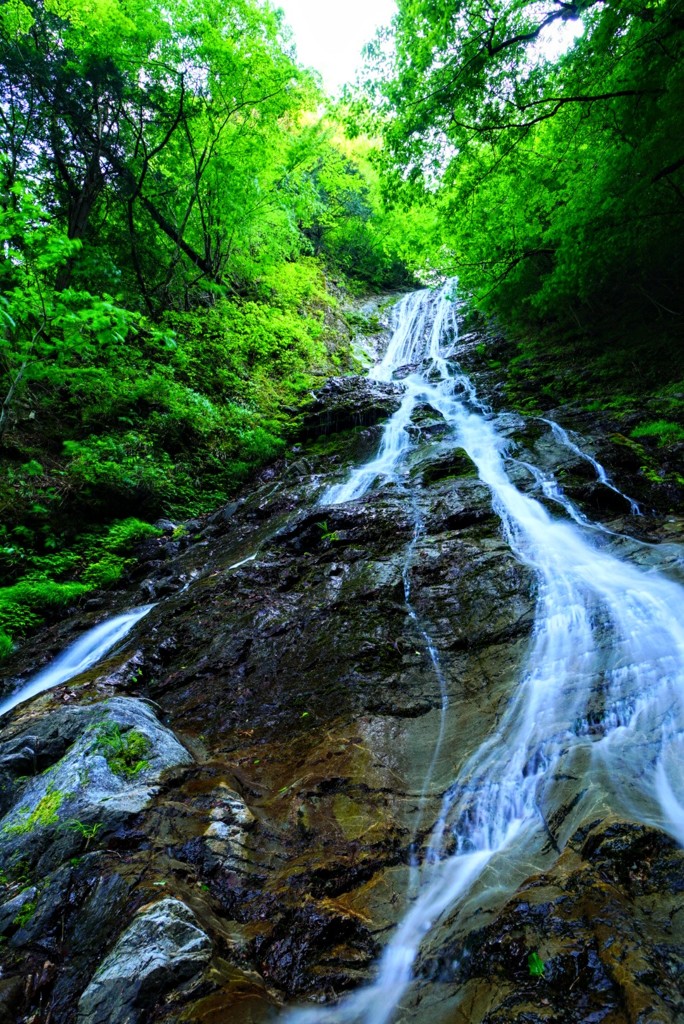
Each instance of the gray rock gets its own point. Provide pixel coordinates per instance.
(191, 527)
(166, 525)
(232, 819)
(163, 947)
(79, 788)
(345, 402)
(10, 909)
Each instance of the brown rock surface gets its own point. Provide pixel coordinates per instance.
(305, 692)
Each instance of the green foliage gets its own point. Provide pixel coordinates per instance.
(44, 814)
(25, 914)
(106, 571)
(364, 324)
(535, 965)
(87, 832)
(123, 467)
(189, 185)
(662, 430)
(327, 534)
(124, 751)
(556, 180)
(45, 331)
(227, 350)
(99, 561)
(123, 535)
(25, 605)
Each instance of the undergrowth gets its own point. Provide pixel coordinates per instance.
(167, 421)
(46, 583)
(124, 751)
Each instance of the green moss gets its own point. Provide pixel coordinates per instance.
(627, 442)
(124, 751)
(456, 466)
(652, 475)
(353, 818)
(25, 914)
(663, 431)
(364, 324)
(44, 814)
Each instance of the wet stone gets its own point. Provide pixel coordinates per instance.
(345, 402)
(161, 949)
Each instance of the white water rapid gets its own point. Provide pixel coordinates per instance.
(87, 651)
(602, 689)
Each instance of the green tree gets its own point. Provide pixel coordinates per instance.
(347, 221)
(45, 331)
(558, 180)
(162, 120)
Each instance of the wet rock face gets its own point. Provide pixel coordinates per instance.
(89, 768)
(164, 946)
(287, 695)
(346, 402)
(604, 923)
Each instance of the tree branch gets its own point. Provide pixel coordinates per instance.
(558, 101)
(666, 171)
(566, 12)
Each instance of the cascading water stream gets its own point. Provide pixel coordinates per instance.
(603, 679)
(82, 655)
(89, 649)
(564, 438)
(435, 662)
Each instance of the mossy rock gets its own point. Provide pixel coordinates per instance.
(456, 463)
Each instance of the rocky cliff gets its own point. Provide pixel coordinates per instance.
(220, 818)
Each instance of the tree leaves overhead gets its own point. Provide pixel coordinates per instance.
(556, 166)
(133, 112)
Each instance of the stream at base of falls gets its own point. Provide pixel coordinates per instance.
(601, 694)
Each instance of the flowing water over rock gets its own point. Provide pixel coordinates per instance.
(431, 724)
(87, 651)
(602, 687)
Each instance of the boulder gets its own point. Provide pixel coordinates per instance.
(92, 766)
(162, 948)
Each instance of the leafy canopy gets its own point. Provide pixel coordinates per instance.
(557, 180)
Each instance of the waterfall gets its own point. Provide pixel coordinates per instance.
(601, 475)
(87, 651)
(602, 683)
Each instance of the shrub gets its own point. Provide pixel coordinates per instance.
(124, 534)
(124, 751)
(663, 431)
(105, 571)
(25, 604)
(124, 467)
